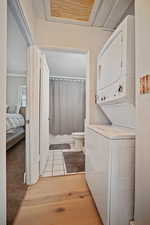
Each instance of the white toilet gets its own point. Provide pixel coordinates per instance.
(78, 140)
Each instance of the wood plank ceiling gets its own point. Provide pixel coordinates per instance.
(72, 9)
(100, 13)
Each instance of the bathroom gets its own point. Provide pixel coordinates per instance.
(67, 108)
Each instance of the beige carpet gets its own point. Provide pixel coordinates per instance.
(16, 188)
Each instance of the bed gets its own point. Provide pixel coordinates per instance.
(15, 129)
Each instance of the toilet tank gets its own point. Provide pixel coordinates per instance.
(116, 75)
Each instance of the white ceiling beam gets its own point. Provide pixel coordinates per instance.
(104, 12)
(47, 8)
(95, 8)
(117, 12)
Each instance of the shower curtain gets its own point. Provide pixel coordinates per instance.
(67, 105)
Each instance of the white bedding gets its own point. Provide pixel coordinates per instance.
(14, 121)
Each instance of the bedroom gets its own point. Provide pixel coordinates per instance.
(15, 117)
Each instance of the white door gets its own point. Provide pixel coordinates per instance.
(32, 116)
(44, 113)
(3, 66)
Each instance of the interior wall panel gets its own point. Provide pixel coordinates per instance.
(142, 187)
(103, 12)
(116, 13)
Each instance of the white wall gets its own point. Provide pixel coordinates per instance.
(142, 198)
(16, 60)
(62, 36)
(13, 84)
(16, 47)
(66, 63)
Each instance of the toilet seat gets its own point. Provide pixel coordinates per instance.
(78, 139)
(78, 135)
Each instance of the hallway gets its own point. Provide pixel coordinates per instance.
(58, 201)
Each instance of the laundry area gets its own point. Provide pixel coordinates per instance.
(74, 111)
(110, 148)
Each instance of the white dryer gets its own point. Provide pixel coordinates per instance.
(110, 149)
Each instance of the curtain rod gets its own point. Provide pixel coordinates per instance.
(72, 78)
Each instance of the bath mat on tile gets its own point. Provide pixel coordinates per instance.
(59, 146)
(74, 161)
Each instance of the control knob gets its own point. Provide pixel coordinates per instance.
(120, 89)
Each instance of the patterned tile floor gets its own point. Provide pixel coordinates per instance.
(55, 165)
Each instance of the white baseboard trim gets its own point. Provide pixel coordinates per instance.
(132, 223)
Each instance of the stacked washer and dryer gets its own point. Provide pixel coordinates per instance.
(110, 149)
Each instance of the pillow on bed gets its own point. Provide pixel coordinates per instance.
(14, 120)
(14, 109)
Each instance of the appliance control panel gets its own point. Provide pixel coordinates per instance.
(113, 92)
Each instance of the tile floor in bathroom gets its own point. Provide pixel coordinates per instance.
(55, 165)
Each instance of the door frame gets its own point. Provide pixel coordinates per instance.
(44, 143)
(88, 87)
(16, 8)
(33, 116)
(18, 12)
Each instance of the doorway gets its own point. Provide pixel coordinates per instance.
(16, 99)
(67, 96)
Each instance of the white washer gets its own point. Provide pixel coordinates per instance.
(110, 172)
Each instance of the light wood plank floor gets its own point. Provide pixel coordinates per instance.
(58, 201)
